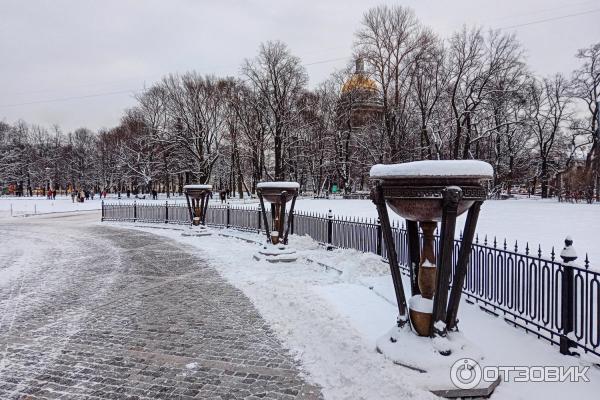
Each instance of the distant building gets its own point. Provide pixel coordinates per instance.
(359, 115)
(360, 103)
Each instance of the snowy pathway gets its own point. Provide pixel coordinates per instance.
(90, 311)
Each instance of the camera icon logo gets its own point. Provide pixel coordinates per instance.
(465, 373)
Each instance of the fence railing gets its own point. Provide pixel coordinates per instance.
(551, 299)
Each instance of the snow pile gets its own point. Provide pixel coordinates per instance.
(404, 347)
(434, 168)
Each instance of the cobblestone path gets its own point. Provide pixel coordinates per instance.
(90, 311)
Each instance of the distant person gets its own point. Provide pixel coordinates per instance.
(73, 195)
(154, 194)
(128, 193)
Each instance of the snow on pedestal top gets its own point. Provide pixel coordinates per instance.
(434, 168)
(206, 187)
(279, 185)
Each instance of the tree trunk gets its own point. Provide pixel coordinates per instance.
(544, 179)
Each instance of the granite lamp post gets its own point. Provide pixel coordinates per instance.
(197, 197)
(277, 194)
(425, 193)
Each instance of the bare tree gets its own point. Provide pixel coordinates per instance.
(391, 40)
(196, 108)
(279, 78)
(548, 112)
(586, 88)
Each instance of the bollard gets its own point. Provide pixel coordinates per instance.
(568, 255)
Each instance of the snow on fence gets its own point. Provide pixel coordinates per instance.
(539, 294)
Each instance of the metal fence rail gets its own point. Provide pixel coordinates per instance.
(539, 294)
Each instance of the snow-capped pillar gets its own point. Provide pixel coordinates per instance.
(568, 255)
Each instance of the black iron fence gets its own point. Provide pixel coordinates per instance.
(555, 301)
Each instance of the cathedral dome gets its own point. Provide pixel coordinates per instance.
(359, 80)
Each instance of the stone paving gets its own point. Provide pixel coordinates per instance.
(90, 311)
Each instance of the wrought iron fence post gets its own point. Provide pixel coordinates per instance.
(379, 238)
(292, 222)
(134, 211)
(228, 217)
(101, 218)
(329, 230)
(568, 255)
(259, 221)
(166, 212)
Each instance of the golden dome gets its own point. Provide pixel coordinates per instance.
(359, 80)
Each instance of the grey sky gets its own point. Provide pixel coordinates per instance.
(52, 51)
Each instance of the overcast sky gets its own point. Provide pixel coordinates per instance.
(78, 62)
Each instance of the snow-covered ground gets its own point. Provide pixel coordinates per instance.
(332, 318)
